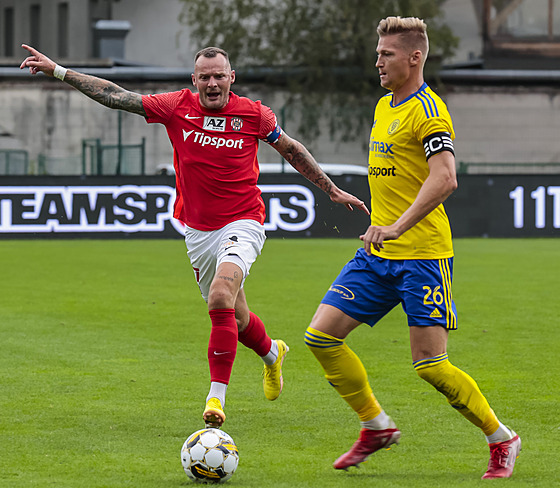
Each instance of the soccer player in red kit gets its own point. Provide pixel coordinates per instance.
(215, 136)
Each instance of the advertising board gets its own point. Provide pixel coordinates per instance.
(142, 206)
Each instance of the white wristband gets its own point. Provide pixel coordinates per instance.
(59, 72)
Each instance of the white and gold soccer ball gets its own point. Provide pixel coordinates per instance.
(209, 456)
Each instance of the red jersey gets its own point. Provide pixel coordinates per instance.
(215, 156)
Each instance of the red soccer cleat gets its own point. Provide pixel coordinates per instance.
(502, 458)
(368, 442)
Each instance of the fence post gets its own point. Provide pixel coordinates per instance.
(83, 157)
(143, 157)
(99, 157)
(119, 148)
(41, 166)
(283, 125)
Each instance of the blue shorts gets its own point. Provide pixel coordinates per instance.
(368, 287)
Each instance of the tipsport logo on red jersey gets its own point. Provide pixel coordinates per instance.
(205, 140)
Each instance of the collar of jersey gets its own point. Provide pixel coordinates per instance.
(422, 88)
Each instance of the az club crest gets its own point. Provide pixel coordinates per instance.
(236, 123)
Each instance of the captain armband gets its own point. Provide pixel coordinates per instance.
(274, 135)
(436, 143)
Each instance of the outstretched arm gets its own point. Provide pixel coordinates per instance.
(98, 89)
(301, 159)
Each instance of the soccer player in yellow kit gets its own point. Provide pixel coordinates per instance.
(407, 256)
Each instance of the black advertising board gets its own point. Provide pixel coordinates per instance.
(142, 207)
(505, 206)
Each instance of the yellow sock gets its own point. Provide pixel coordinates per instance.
(344, 371)
(460, 389)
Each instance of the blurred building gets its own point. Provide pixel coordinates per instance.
(504, 33)
(135, 31)
(501, 85)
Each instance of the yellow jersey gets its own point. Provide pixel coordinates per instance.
(398, 168)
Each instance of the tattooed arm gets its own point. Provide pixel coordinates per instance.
(106, 92)
(301, 159)
(102, 91)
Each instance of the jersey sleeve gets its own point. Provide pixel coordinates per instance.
(435, 132)
(269, 130)
(159, 107)
(434, 124)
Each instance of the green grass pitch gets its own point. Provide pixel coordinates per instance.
(103, 370)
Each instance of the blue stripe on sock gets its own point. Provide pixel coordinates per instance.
(430, 361)
(313, 340)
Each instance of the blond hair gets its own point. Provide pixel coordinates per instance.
(411, 30)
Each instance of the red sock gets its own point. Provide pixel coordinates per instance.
(255, 337)
(222, 347)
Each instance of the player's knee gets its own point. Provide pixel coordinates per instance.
(220, 297)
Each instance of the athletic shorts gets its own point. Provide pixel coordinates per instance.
(239, 242)
(368, 287)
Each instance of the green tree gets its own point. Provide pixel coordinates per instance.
(323, 51)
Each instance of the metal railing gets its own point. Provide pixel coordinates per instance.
(14, 162)
(113, 159)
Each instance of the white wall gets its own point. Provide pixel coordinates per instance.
(506, 125)
(156, 36)
(48, 117)
(492, 124)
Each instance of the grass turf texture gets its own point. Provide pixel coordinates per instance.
(104, 373)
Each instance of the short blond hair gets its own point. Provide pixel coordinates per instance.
(411, 30)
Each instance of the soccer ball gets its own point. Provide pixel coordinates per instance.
(209, 456)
